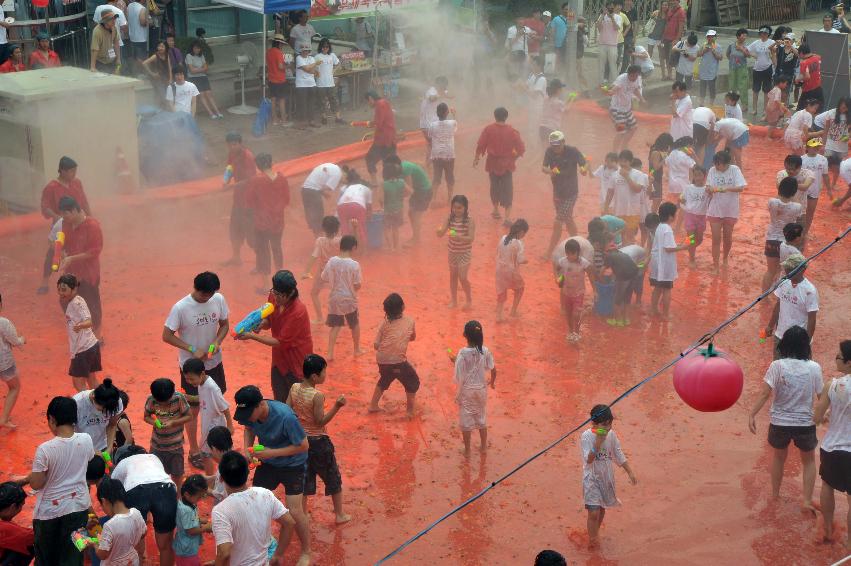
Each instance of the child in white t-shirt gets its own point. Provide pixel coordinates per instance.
(213, 406)
(695, 201)
(9, 338)
(781, 211)
(663, 262)
(605, 173)
(793, 234)
(509, 256)
(732, 108)
(220, 441)
(343, 274)
(122, 540)
(817, 164)
(725, 182)
(323, 250)
(798, 131)
(679, 164)
(84, 345)
(471, 367)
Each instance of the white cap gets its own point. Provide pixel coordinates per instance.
(711, 32)
(547, 13)
(789, 36)
(431, 92)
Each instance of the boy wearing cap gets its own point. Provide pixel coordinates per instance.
(797, 302)
(283, 457)
(710, 55)
(624, 90)
(306, 70)
(276, 74)
(44, 57)
(816, 163)
(560, 163)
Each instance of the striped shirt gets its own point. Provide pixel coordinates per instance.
(171, 439)
(462, 229)
(302, 396)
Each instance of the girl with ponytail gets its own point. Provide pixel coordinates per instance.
(471, 364)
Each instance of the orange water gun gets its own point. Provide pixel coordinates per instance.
(57, 250)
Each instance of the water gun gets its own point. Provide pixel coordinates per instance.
(560, 279)
(97, 529)
(836, 201)
(572, 96)
(252, 322)
(107, 459)
(688, 151)
(57, 250)
(360, 123)
(81, 539)
(228, 174)
(605, 88)
(212, 349)
(763, 336)
(453, 232)
(555, 170)
(844, 138)
(157, 422)
(689, 241)
(601, 431)
(256, 448)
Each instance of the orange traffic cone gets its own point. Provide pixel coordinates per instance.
(122, 173)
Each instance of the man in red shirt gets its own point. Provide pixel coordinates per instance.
(811, 75)
(66, 184)
(241, 223)
(44, 57)
(675, 24)
(276, 75)
(291, 341)
(83, 244)
(268, 196)
(504, 146)
(384, 140)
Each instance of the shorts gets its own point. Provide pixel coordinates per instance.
(694, 223)
(742, 140)
(158, 499)
(393, 219)
(772, 248)
(9, 373)
(814, 191)
(840, 154)
(700, 134)
(804, 437)
(502, 189)
(139, 50)
(322, 462)
(623, 290)
(762, 80)
(835, 469)
(661, 284)
(631, 222)
(572, 303)
(172, 461)
(725, 220)
(314, 208)
(291, 477)
(241, 225)
(564, 207)
(217, 374)
(336, 320)
(403, 371)
(278, 90)
(281, 384)
(419, 201)
(377, 153)
(202, 83)
(460, 259)
(623, 119)
(85, 363)
(443, 167)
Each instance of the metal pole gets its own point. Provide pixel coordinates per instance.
(263, 86)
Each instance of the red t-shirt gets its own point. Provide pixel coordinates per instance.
(673, 22)
(503, 145)
(813, 65)
(54, 190)
(87, 237)
(268, 198)
(39, 60)
(539, 28)
(9, 67)
(292, 329)
(16, 538)
(274, 62)
(385, 124)
(242, 161)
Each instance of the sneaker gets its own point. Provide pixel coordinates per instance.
(612, 321)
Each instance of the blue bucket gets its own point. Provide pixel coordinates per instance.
(375, 231)
(604, 304)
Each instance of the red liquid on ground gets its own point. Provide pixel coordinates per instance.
(703, 492)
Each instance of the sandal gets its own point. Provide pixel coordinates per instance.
(197, 461)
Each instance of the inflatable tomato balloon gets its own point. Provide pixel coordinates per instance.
(708, 380)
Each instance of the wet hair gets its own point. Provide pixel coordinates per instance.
(633, 70)
(207, 282)
(663, 141)
(68, 204)
(679, 85)
(313, 365)
(793, 231)
(127, 451)
(651, 221)
(193, 485)
(788, 187)
(460, 199)
(537, 60)
(348, 243)
(698, 169)
(722, 158)
(667, 210)
(601, 414)
(474, 335)
(572, 247)
(553, 88)
(611, 156)
(636, 163)
(330, 225)
(733, 96)
(263, 161)
(685, 141)
(596, 226)
(804, 49)
(795, 344)
(500, 114)
(193, 366)
(392, 158)
(283, 281)
(66, 163)
(162, 389)
(845, 350)
(517, 227)
(391, 171)
(233, 137)
(233, 469)
(325, 42)
(793, 161)
(550, 558)
(106, 395)
(111, 490)
(394, 306)
(220, 438)
(95, 469)
(442, 111)
(69, 280)
(372, 94)
(11, 494)
(200, 32)
(625, 155)
(178, 70)
(353, 177)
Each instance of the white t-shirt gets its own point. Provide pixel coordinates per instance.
(8, 339)
(795, 384)
(135, 31)
(626, 202)
(821, 119)
(606, 177)
(787, 250)
(803, 177)
(213, 407)
(696, 200)
(428, 109)
(796, 302)
(845, 170)
(3, 37)
(303, 79)
(471, 368)
(120, 535)
(731, 128)
(244, 519)
(663, 265)
(509, 257)
(635, 252)
(141, 469)
(518, 42)
(704, 116)
(76, 312)
(325, 176)
(342, 274)
(800, 122)
(536, 90)
(327, 62)
(442, 136)
(91, 420)
(679, 165)
(733, 111)
(837, 133)
(122, 19)
(646, 63)
(838, 436)
(624, 91)
(197, 324)
(681, 124)
(65, 461)
(685, 66)
(182, 96)
(552, 113)
(725, 205)
(818, 165)
(598, 477)
(779, 215)
(357, 193)
(760, 49)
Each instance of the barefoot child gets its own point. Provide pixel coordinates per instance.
(695, 201)
(600, 446)
(509, 256)
(572, 269)
(798, 132)
(215, 410)
(122, 540)
(442, 136)
(625, 196)
(817, 164)
(308, 403)
(171, 409)
(732, 108)
(85, 348)
(663, 262)
(775, 110)
(781, 211)
(462, 232)
(323, 250)
(391, 353)
(343, 274)
(188, 535)
(471, 393)
(679, 163)
(393, 193)
(656, 161)
(793, 167)
(725, 182)
(8, 370)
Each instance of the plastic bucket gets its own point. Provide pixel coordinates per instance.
(604, 304)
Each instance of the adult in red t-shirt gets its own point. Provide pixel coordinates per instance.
(44, 57)
(503, 145)
(268, 196)
(811, 74)
(675, 25)
(290, 338)
(65, 184)
(83, 244)
(539, 27)
(241, 222)
(384, 140)
(276, 75)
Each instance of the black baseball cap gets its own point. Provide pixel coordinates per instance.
(247, 399)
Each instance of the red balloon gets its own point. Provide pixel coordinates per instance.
(708, 380)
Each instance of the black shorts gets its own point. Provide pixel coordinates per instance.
(817, 94)
(291, 477)
(158, 499)
(404, 372)
(322, 462)
(661, 284)
(278, 90)
(762, 80)
(804, 437)
(772, 248)
(201, 83)
(377, 153)
(419, 201)
(699, 134)
(636, 287)
(85, 363)
(241, 225)
(835, 469)
(314, 208)
(443, 167)
(337, 319)
(218, 375)
(502, 189)
(172, 461)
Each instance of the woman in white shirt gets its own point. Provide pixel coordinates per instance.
(327, 61)
(796, 381)
(354, 206)
(724, 182)
(306, 70)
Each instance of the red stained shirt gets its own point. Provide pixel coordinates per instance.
(242, 161)
(87, 237)
(16, 538)
(292, 329)
(813, 65)
(503, 145)
(385, 124)
(673, 22)
(39, 60)
(274, 62)
(268, 198)
(54, 190)
(539, 28)
(9, 67)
